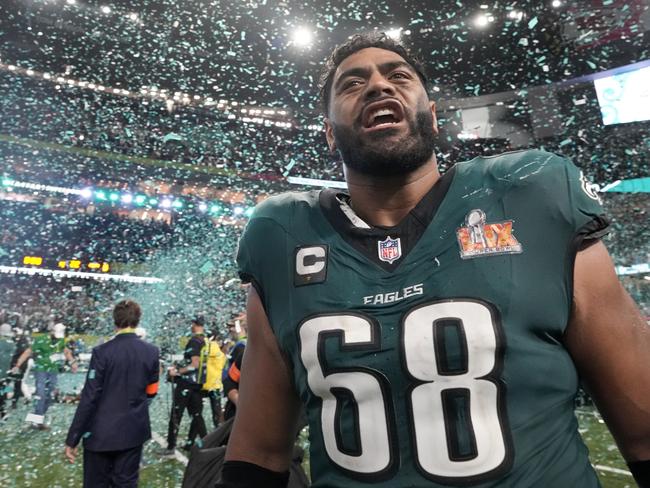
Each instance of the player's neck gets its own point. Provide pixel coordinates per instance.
(386, 201)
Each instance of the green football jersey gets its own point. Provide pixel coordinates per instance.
(430, 354)
(48, 353)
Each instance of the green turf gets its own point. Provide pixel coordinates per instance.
(31, 458)
(602, 449)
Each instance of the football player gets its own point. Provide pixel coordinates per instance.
(433, 326)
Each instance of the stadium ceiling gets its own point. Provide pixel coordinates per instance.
(270, 52)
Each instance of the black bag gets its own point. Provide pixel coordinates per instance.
(204, 467)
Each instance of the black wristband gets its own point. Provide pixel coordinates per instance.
(240, 474)
(641, 472)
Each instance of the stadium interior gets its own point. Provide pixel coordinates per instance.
(136, 138)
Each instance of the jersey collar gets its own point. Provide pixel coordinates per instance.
(364, 237)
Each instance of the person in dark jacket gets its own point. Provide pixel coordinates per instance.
(113, 416)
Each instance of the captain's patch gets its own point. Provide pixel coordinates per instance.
(310, 265)
(478, 238)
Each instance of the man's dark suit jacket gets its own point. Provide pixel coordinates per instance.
(113, 413)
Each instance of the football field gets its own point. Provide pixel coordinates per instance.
(31, 458)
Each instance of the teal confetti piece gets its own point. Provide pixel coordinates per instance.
(532, 23)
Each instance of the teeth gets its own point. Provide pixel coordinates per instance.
(380, 112)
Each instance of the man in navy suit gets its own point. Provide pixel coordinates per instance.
(113, 416)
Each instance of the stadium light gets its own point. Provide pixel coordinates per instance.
(302, 37)
(114, 197)
(481, 21)
(166, 203)
(86, 193)
(556, 4)
(105, 9)
(203, 207)
(127, 198)
(139, 199)
(100, 195)
(394, 33)
(70, 2)
(237, 210)
(79, 274)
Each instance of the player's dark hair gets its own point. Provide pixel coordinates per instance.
(126, 313)
(356, 43)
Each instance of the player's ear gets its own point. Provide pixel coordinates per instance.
(329, 135)
(433, 117)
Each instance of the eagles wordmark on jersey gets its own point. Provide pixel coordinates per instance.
(430, 354)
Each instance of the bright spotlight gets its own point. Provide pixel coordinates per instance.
(127, 198)
(106, 9)
(238, 210)
(394, 33)
(87, 192)
(203, 207)
(556, 3)
(166, 203)
(481, 21)
(70, 2)
(133, 16)
(302, 37)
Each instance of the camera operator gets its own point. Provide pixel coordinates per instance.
(187, 390)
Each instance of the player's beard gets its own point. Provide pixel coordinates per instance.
(379, 155)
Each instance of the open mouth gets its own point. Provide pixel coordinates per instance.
(382, 114)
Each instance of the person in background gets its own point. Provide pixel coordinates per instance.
(6, 352)
(238, 333)
(214, 356)
(187, 390)
(22, 342)
(49, 351)
(113, 415)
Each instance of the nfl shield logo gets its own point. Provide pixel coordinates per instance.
(389, 250)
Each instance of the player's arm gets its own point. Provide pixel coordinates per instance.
(90, 395)
(27, 353)
(260, 446)
(154, 376)
(67, 353)
(610, 345)
(231, 383)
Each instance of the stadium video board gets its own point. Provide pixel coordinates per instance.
(624, 97)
